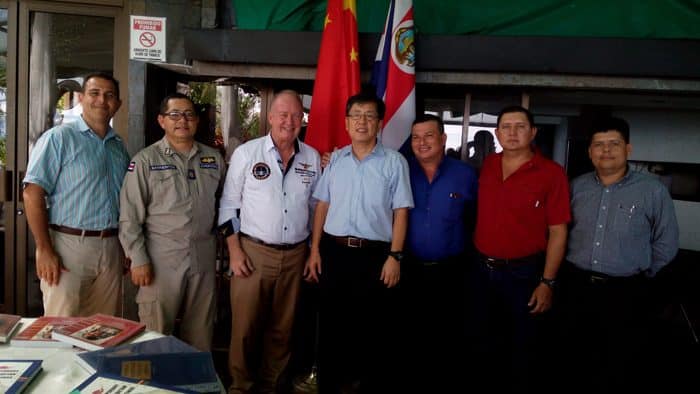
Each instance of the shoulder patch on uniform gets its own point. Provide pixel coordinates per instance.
(131, 167)
(261, 171)
(162, 167)
(207, 159)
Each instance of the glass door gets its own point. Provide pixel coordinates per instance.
(59, 44)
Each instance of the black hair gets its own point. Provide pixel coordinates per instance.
(101, 75)
(610, 123)
(174, 96)
(366, 98)
(516, 108)
(422, 118)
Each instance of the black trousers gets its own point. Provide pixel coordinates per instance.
(357, 320)
(434, 312)
(606, 327)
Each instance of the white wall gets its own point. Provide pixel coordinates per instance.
(669, 136)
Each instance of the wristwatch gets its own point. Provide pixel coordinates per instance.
(397, 255)
(549, 282)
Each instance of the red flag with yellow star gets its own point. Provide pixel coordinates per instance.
(337, 77)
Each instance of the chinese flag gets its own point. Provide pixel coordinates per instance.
(337, 77)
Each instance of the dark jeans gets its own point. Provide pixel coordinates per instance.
(501, 330)
(434, 305)
(606, 327)
(357, 332)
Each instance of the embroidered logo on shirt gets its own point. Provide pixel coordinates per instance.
(162, 167)
(131, 167)
(190, 174)
(261, 171)
(207, 159)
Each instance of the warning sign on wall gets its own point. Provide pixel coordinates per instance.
(147, 38)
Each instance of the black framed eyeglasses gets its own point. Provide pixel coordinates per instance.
(177, 115)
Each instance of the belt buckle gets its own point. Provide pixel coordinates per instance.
(491, 263)
(598, 280)
(353, 242)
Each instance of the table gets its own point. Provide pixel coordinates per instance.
(61, 372)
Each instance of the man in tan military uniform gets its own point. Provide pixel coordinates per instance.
(168, 204)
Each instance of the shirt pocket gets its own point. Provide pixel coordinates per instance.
(630, 222)
(168, 188)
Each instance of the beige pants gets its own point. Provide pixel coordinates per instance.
(174, 290)
(262, 308)
(92, 282)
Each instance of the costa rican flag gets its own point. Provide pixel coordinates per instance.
(394, 74)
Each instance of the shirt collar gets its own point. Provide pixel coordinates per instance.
(270, 144)
(625, 178)
(167, 150)
(377, 150)
(85, 129)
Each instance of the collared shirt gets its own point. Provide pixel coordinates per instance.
(513, 215)
(275, 206)
(363, 194)
(168, 204)
(624, 228)
(81, 174)
(437, 225)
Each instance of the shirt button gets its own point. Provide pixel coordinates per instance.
(597, 244)
(600, 226)
(285, 229)
(603, 207)
(607, 190)
(595, 261)
(285, 193)
(285, 211)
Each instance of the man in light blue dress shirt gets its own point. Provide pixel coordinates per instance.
(71, 195)
(623, 232)
(357, 244)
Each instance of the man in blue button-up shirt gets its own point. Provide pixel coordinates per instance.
(438, 243)
(71, 196)
(623, 232)
(359, 228)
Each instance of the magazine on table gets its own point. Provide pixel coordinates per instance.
(98, 332)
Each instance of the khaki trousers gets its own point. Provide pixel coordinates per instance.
(92, 282)
(174, 290)
(262, 308)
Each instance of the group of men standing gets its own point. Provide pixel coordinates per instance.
(369, 220)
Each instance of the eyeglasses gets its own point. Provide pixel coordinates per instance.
(177, 115)
(610, 145)
(370, 116)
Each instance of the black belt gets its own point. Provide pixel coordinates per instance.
(496, 263)
(354, 242)
(269, 245)
(109, 232)
(599, 278)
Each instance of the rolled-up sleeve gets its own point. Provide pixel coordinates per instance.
(231, 197)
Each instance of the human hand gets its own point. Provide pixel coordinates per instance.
(48, 265)
(541, 299)
(240, 264)
(391, 272)
(142, 275)
(312, 269)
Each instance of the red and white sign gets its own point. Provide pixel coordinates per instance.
(147, 38)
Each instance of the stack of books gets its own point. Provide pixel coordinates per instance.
(167, 363)
(97, 331)
(8, 325)
(38, 334)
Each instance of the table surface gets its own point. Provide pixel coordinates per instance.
(60, 371)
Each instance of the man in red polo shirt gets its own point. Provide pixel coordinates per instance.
(523, 211)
